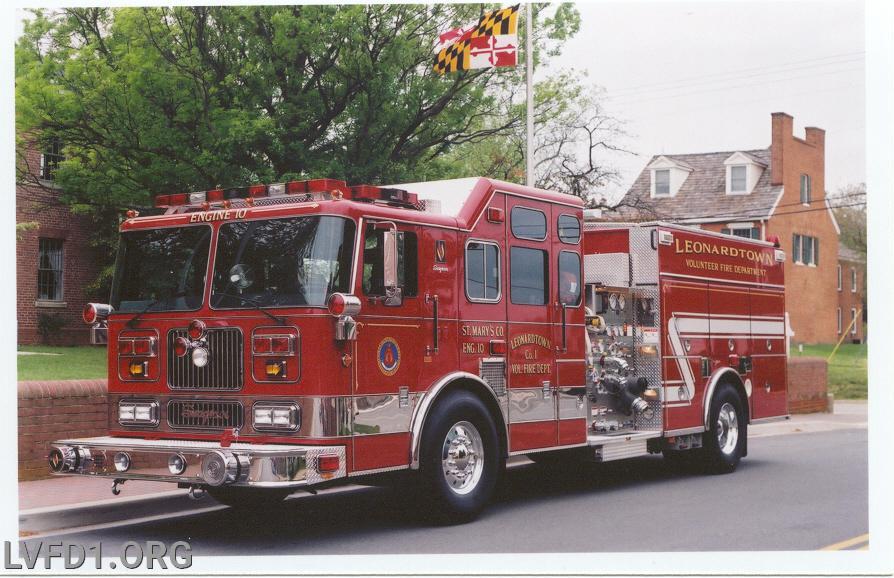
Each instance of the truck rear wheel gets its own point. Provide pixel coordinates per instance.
(459, 458)
(248, 499)
(724, 442)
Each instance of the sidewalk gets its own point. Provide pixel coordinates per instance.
(79, 491)
(847, 414)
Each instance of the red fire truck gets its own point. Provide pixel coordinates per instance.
(282, 337)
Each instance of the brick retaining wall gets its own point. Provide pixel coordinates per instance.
(50, 410)
(807, 385)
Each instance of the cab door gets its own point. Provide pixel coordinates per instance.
(389, 347)
(530, 314)
(568, 325)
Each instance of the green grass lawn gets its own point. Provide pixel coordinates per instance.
(848, 376)
(88, 362)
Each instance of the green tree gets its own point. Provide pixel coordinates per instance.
(188, 98)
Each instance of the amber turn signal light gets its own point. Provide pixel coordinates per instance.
(275, 369)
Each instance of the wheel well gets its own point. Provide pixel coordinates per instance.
(489, 401)
(731, 377)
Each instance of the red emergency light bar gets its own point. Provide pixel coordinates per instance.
(338, 189)
(371, 194)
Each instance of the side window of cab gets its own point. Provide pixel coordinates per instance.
(374, 258)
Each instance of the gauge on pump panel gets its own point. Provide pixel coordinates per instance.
(613, 301)
(622, 302)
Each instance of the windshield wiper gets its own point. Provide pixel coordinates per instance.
(251, 302)
(131, 323)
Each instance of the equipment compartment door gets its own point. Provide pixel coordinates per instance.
(530, 311)
(686, 352)
(731, 330)
(769, 393)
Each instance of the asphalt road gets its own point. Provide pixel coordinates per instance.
(793, 492)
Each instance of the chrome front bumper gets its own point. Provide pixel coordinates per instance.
(206, 463)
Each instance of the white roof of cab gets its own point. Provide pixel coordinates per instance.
(451, 193)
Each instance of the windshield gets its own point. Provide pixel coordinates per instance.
(161, 269)
(282, 262)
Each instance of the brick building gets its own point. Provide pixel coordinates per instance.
(54, 260)
(777, 191)
(851, 295)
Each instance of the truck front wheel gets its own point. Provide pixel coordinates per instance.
(459, 458)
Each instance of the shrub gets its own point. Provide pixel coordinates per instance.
(49, 325)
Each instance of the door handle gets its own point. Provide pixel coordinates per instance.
(435, 320)
(564, 328)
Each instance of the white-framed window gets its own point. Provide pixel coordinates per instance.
(853, 280)
(662, 183)
(839, 277)
(853, 320)
(747, 232)
(50, 158)
(805, 250)
(738, 179)
(839, 321)
(806, 186)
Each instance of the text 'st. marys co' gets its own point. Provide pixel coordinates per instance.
(280, 337)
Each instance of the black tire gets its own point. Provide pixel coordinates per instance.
(249, 499)
(724, 442)
(459, 471)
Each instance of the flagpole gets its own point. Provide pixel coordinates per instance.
(529, 77)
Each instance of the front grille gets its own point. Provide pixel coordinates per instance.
(204, 414)
(224, 369)
(494, 374)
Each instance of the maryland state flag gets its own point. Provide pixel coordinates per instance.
(493, 41)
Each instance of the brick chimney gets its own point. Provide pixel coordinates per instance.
(816, 137)
(782, 133)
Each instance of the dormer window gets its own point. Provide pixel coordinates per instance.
(668, 175)
(737, 179)
(743, 171)
(662, 183)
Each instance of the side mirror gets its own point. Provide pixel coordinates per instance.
(393, 293)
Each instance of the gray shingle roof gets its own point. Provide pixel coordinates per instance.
(702, 197)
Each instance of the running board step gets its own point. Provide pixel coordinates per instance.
(621, 446)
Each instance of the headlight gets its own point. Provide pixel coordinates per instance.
(200, 357)
(177, 464)
(138, 412)
(122, 461)
(276, 416)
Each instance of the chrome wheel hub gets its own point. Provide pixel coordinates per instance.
(727, 429)
(462, 457)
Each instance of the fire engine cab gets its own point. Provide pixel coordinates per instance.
(282, 337)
